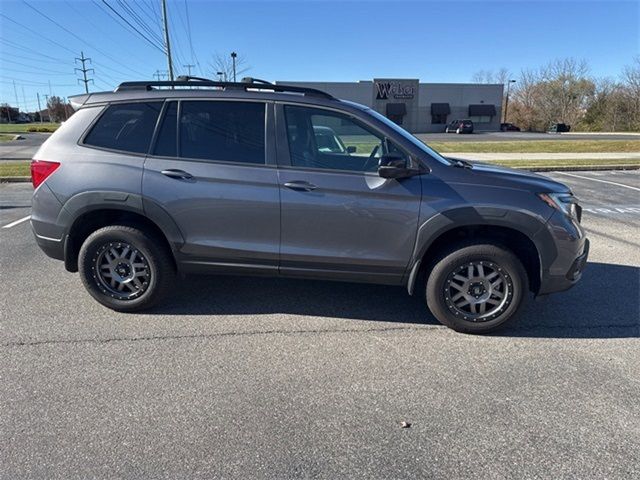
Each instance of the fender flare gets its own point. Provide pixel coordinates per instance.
(525, 222)
(87, 202)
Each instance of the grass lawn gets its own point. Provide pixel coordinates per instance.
(26, 127)
(539, 146)
(15, 169)
(5, 138)
(578, 162)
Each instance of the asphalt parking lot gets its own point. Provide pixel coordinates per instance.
(244, 377)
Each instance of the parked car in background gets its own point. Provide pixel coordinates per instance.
(509, 127)
(459, 126)
(559, 128)
(144, 184)
(328, 142)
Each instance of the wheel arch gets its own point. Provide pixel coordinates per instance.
(516, 230)
(94, 210)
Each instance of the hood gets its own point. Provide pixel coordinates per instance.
(509, 177)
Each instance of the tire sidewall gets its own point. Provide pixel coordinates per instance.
(489, 253)
(87, 262)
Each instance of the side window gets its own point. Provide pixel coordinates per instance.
(166, 144)
(222, 131)
(324, 139)
(125, 126)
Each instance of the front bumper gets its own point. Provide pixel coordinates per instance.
(566, 254)
(558, 283)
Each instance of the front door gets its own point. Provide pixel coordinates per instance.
(210, 170)
(339, 219)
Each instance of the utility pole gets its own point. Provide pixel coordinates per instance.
(233, 59)
(189, 67)
(506, 101)
(46, 98)
(24, 100)
(166, 38)
(15, 91)
(84, 71)
(39, 108)
(160, 74)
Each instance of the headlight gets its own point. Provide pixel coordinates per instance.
(564, 202)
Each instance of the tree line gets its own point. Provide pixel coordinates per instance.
(564, 91)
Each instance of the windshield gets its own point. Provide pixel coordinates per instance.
(422, 146)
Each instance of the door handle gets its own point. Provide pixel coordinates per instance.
(179, 174)
(300, 186)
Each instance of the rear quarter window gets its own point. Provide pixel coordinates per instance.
(126, 126)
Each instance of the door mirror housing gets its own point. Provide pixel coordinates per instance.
(394, 166)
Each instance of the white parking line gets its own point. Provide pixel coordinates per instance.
(17, 222)
(598, 180)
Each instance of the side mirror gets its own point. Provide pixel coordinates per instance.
(351, 149)
(393, 166)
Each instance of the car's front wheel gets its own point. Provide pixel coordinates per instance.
(124, 268)
(476, 288)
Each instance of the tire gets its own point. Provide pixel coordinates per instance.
(446, 130)
(453, 300)
(140, 261)
(458, 131)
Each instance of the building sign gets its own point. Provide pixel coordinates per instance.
(394, 89)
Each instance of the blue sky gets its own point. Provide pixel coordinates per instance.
(441, 41)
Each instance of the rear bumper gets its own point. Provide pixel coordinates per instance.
(52, 247)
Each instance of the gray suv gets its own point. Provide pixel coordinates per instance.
(159, 179)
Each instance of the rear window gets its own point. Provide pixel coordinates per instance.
(222, 131)
(125, 126)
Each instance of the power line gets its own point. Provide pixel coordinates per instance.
(30, 50)
(25, 57)
(39, 73)
(76, 36)
(193, 53)
(36, 66)
(38, 34)
(89, 19)
(134, 28)
(136, 18)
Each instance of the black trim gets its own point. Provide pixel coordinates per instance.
(482, 110)
(311, 92)
(440, 109)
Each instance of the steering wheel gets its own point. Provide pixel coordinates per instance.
(372, 157)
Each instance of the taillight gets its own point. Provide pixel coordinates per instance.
(40, 171)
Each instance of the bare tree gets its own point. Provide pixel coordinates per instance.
(224, 64)
(57, 109)
(489, 76)
(631, 87)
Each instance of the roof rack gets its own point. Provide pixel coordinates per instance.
(249, 84)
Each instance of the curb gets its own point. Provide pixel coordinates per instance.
(575, 168)
(15, 179)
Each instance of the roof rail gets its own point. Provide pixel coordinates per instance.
(255, 84)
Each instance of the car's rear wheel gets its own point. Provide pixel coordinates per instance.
(457, 130)
(476, 288)
(125, 269)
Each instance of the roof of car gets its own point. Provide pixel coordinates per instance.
(148, 90)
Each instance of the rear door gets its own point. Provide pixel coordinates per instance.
(212, 168)
(339, 218)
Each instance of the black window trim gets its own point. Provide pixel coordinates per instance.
(267, 106)
(105, 106)
(285, 163)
